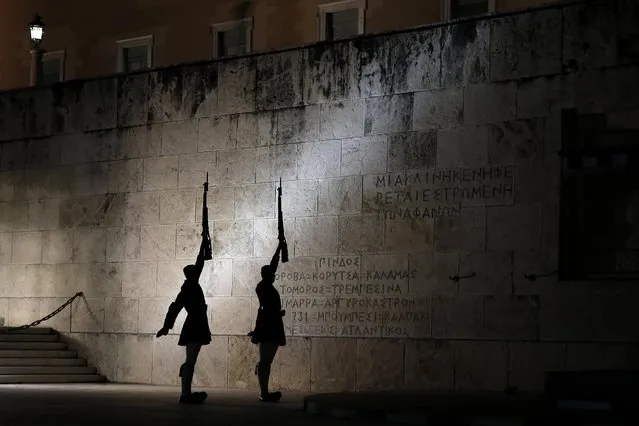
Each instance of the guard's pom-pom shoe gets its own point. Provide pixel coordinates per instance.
(271, 397)
(193, 398)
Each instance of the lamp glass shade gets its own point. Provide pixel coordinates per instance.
(36, 29)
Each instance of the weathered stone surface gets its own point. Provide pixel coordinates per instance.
(91, 211)
(299, 198)
(211, 369)
(141, 141)
(98, 100)
(4, 312)
(543, 264)
(160, 173)
(538, 182)
(87, 315)
(177, 206)
(90, 179)
(243, 357)
(121, 315)
(431, 272)
(188, 240)
(410, 151)
(200, 93)
(157, 242)
(40, 281)
(438, 109)
(14, 278)
(27, 248)
(343, 119)
(485, 272)
(333, 366)
(409, 235)
(142, 208)
(280, 80)
(589, 36)
(247, 130)
(165, 95)
(380, 364)
(265, 236)
(216, 133)
(295, 364)
(23, 311)
(255, 201)
(246, 275)
(627, 32)
(233, 239)
(273, 162)
(220, 202)
(364, 155)
(44, 215)
(388, 114)
(298, 124)
(319, 159)
(89, 245)
(106, 146)
(180, 137)
(5, 248)
(331, 72)
(340, 196)
(315, 236)
(40, 153)
(465, 53)
(512, 318)
(458, 317)
(94, 279)
(515, 141)
(14, 216)
(135, 358)
(528, 362)
(267, 128)
(192, 169)
(37, 109)
(217, 277)
(526, 45)
(138, 280)
(544, 96)
(133, 92)
(490, 103)
(167, 358)
(7, 187)
(60, 322)
(430, 364)
(464, 232)
(231, 315)
(514, 227)
(481, 365)
(153, 312)
(399, 63)
(462, 147)
(126, 176)
(236, 167)
(57, 247)
(14, 155)
(236, 87)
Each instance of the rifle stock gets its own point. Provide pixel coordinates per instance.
(280, 225)
(208, 250)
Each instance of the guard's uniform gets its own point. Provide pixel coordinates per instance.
(196, 326)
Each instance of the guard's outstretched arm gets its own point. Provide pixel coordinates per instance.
(174, 310)
(199, 262)
(275, 261)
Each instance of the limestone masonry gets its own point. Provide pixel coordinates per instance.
(421, 182)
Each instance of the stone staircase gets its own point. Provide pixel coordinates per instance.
(36, 355)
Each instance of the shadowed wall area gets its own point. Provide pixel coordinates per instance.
(421, 185)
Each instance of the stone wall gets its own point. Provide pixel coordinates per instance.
(407, 160)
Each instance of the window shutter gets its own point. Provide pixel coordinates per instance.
(344, 24)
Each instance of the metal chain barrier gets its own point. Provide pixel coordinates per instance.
(51, 315)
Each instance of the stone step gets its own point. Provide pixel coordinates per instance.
(32, 345)
(30, 353)
(78, 362)
(54, 378)
(46, 370)
(34, 330)
(14, 337)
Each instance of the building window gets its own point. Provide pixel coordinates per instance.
(135, 54)
(599, 210)
(53, 67)
(232, 38)
(341, 20)
(456, 9)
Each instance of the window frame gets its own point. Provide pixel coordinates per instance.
(221, 27)
(340, 6)
(60, 55)
(146, 40)
(447, 10)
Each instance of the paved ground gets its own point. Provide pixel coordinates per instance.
(121, 405)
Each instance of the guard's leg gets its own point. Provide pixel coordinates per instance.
(267, 354)
(188, 368)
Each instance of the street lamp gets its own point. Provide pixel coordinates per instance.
(36, 31)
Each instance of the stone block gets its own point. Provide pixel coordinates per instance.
(543, 264)
(167, 359)
(243, 356)
(139, 279)
(299, 198)
(61, 322)
(192, 169)
(188, 241)
(462, 147)
(512, 318)
(537, 182)
(589, 36)
(23, 311)
(343, 119)
(273, 162)
(331, 72)
(340, 196)
(298, 124)
(14, 216)
(319, 159)
(388, 114)
(295, 364)
(5, 248)
(89, 245)
(121, 315)
(4, 312)
(464, 232)
(465, 53)
(236, 167)
(361, 234)
(514, 227)
(142, 208)
(42, 153)
(99, 101)
(380, 364)
(135, 358)
(133, 95)
(211, 369)
(220, 202)
(141, 141)
(458, 317)
(157, 242)
(438, 109)
(160, 173)
(237, 86)
(231, 316)
(177, 206)
(481, 366)
(57, 247)
(106, 146)
(364, 155)
(280, 80)
(78, 148)
(180, 137)
(14, 155)
(217, 133)
(429, 364)
(490, 103)
(247, 130)
(333, 365)
(200, 99)
(530, 361)
(166, 89)
(430, 274)
(123, 243)
(412, 235)
(265, 236)
(7, 187)
(515, 141)
(246, 275)
(44, 215)
(315, 236)
(526, 45)
(38, 109)
(27, 248)
(389, 270)
(40, 281)
(405, 62)
(153, 312)
(14, 277)
(90, 179)
(627, 32)
(217, 277)
(267, 128)
(414, 150)
(486, 272)
(126, 176)
(87, 315)
(233, 239)
(255, 201)
(544, 96)
(97, 279)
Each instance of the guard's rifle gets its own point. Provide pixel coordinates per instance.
(280, 224)
(208, 251)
